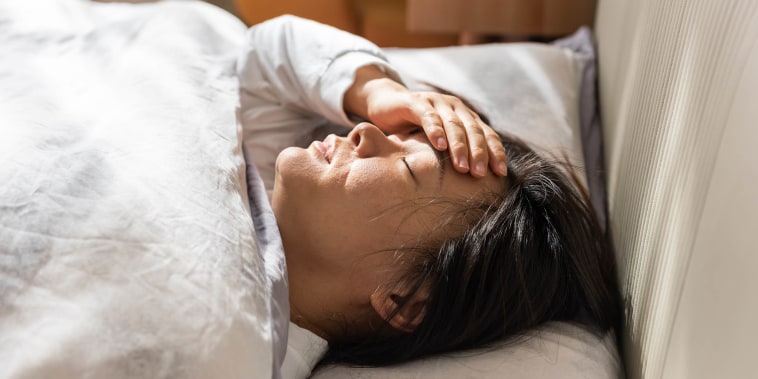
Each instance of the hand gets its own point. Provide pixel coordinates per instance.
(446, 121)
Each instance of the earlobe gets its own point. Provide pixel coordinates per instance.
(410, 312)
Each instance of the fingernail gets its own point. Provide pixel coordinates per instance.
(463, 163)
(479, 169)
(441, 143)
(503, 168)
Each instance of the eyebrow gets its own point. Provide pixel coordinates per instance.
(441, 163)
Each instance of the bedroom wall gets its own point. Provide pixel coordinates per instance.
(426, 23)
(226, 4)
(381, 21)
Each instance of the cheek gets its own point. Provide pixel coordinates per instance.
(368, 202)
(370, 177)
(387, 209)
(365, 194)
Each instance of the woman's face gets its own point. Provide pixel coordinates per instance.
(342, 199)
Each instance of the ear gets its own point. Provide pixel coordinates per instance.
(410, 314)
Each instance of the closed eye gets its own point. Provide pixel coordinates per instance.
(410, 170)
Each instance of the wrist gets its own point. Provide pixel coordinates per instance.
(370, 83)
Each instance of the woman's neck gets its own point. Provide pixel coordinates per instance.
(300, 319)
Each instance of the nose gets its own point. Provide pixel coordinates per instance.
(370, 141)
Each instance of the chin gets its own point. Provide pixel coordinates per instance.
(288, 157)
(296, 161)
(297, 170)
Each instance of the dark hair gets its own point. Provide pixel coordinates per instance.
(536, 253)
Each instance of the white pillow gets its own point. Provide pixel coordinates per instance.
(556, 350)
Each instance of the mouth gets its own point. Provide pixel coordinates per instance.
(326, 147)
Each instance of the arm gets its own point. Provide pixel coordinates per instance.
(293, 75)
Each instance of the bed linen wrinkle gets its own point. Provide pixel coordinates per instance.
(127, 249)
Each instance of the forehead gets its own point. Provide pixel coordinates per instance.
(448, 181)
(418, 137)
(419, 143)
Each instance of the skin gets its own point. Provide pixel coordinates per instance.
(346, 204)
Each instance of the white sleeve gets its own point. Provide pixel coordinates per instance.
(293, 74)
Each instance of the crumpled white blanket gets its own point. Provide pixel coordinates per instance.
(126, 244)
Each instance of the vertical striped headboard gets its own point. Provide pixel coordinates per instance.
(679, 103)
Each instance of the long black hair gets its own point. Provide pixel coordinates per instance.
(535, 253)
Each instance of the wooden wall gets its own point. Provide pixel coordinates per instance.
(381, 21)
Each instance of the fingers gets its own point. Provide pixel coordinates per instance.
(498, 159)
(450, 124)
(431, 122)
(457, 140)
(477, 144)
(474, 145)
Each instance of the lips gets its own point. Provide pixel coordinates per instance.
(327, 147)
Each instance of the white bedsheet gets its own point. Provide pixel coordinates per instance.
(126, 243)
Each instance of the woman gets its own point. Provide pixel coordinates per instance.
(398, 247)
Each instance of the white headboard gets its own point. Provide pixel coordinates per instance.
(679, 101)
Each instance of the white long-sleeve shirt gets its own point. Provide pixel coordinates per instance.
(293, 75)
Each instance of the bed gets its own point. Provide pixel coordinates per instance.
(128, 247)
